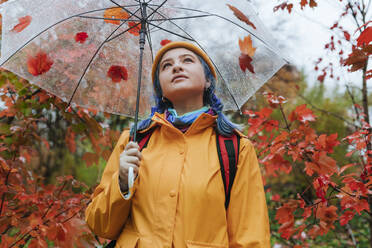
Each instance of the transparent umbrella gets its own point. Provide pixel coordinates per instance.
(98, 53)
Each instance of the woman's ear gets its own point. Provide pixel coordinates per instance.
(207, 84)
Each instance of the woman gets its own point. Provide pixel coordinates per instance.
(178, 198)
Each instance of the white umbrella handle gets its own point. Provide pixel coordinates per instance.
(130, 177)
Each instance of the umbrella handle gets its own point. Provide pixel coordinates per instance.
(130, 178)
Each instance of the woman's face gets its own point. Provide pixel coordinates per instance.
(181, 76)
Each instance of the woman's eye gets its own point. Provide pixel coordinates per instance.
(166, 65)
(188, 60)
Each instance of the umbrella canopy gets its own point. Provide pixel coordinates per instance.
(87, 52)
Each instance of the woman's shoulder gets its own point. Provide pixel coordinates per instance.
(245, 143)
(124, 137)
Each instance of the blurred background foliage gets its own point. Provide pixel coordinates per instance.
(59, 154)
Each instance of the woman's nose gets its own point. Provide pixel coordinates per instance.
(177, 67)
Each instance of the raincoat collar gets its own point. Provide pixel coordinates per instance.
(203, 121)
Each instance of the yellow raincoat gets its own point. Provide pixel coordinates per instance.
(179, 194)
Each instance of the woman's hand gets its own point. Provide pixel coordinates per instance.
(130, 157)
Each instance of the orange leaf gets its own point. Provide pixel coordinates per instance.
(115, 13)
(46, 143)
(345, 167)
(284, 6)
(313, 4)
(327, 164)
(327, 214)
(70, 140)
(357, 59)
(246, 46)
(39, 64)
(240, 15)
(90, 158)
(23, 22)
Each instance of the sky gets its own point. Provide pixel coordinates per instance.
(303, 34)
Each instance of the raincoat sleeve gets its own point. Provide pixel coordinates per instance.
(108, 211)
(247, 216)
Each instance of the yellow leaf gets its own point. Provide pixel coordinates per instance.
(115, 13)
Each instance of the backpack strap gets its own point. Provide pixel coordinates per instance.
(228, 154)
(143, 138)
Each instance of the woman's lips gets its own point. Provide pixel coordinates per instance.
(177, 78)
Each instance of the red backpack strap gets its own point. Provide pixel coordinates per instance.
(228, 154)
(143, 138)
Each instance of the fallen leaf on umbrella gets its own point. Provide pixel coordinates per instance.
(164, 42)
(81, 37)
(240, 15)
(23, 22)
(115, 13)
(134, 28)
(39, 64)
(248, 51)
(246, 46)
(117, 73)
(245, 63)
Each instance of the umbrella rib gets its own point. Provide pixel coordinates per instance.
(180, 18)
(226, 19)
(103, 18)
(91, 60)
(125, 9)
(148, 35)
(218, 71)
(51, 26)
(168, 31)
(155, 11)
(116, 36)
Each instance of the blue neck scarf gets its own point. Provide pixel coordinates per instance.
(185, 119)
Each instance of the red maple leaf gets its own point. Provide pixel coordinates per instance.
(283, 6)
(39, 64)
(365, 37)
(117, 73)
(369, 74)
(302, 114)
(164, 42)
(303, 3)
(81, 37)
(23, 22)
(135, 28)
(245, 63)
(346, 217)
(275, 197)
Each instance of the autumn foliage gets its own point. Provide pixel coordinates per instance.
(39, 213)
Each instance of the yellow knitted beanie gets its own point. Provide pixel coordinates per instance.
(181, 44)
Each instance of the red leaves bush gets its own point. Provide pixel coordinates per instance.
(337, 195)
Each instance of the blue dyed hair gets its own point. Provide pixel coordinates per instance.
(224, 126)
